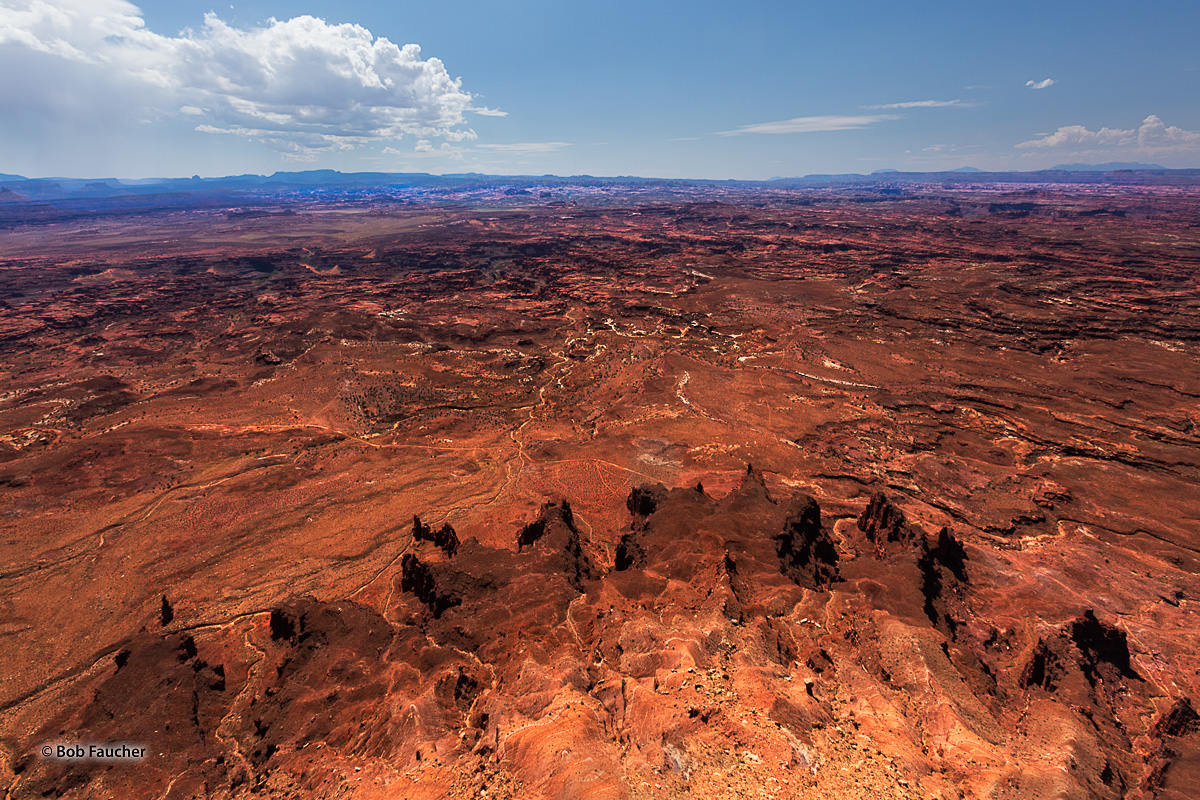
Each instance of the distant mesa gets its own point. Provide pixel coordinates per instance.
(240, 189)
(1110, 166)
(9, 196)
(898, 171)
(101, 189)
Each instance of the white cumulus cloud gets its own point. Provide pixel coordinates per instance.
(1154, 133)
(1042, 84)
(1080, 136)
(300, 85)
(1153, 136)
(811, 124)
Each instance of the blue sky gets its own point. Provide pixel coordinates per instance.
(670, 89)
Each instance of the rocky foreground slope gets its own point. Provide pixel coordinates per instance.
(740, 646)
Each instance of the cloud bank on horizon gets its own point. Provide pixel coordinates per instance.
(300, 86)
(1153, 136)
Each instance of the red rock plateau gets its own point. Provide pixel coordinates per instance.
(786, 495)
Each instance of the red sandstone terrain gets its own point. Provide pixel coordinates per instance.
(824, 493)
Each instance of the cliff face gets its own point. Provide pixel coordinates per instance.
(737, 644)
